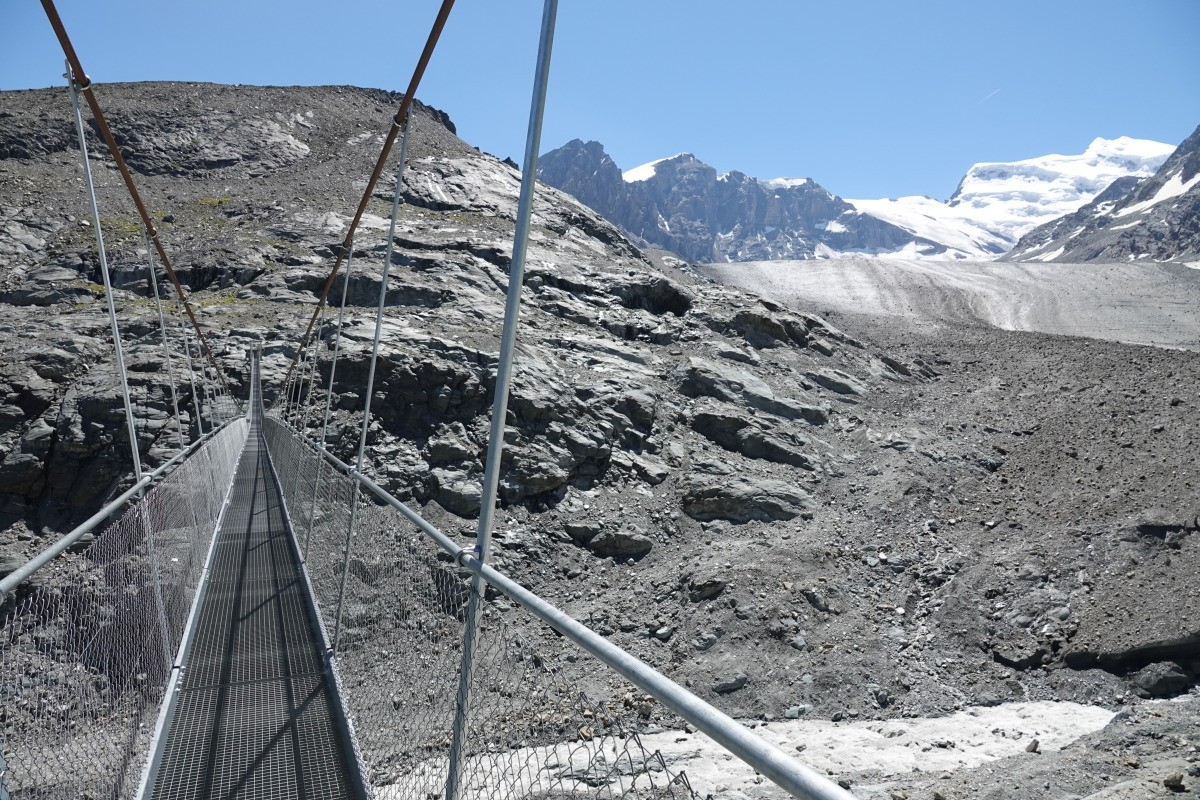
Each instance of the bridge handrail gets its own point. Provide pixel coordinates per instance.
(786, 772)
(18, 576)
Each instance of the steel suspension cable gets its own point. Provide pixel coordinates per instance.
(84, 84)
(162, 328)
(367, 397)
(306, 406)
(337, 342)
(131, 425)
(196, 410)
(400, 119)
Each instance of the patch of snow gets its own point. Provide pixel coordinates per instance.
(1171, 188)
(1012, 198)
(1123, 227)
(1049, 256)
(785, 183)
(646, 171)
(963, 740)
(833, 226)
(954, 227)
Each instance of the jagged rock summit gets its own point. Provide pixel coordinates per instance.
(1156, 218)
(684, 206)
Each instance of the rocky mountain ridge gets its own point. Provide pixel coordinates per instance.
(1156, 218)
(787, 516)
(684, 206)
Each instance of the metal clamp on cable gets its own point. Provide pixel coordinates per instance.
(461, 556)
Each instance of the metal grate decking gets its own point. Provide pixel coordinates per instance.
(254, 716)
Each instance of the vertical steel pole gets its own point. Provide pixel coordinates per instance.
(130, 424)
(508, 337)
(366, 421)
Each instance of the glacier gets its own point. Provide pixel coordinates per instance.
(997, 202)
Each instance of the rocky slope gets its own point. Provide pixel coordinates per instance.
(1157, 218)
(792, 518)
(682, 205)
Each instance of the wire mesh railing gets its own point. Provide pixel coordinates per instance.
(546, 719)
(87, 651)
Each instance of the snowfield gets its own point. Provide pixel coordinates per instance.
(998, 202)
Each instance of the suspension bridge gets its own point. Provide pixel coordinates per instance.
(196, 647)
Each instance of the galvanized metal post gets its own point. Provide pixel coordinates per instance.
(130, 424)
(508, 338)
(366, 421)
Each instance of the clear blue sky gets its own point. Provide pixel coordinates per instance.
(872, 99)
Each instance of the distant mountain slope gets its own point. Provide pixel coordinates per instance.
(1156, 218)
(997, 202)
(681, 204)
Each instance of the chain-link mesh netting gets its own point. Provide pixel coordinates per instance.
(86, 652)
(546, 720)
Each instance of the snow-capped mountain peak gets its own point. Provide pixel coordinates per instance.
(1133, 219)
(997, 202)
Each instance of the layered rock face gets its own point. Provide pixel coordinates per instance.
(1156, 218)
(682, 205)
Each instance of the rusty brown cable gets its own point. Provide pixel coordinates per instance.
(84, 85)
(397, 124)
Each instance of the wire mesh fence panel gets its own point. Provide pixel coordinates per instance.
(546, 720)
(86, 653)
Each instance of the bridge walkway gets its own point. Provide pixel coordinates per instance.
(253, 714)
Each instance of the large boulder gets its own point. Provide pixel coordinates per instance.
(742, 498)
(620, 544)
